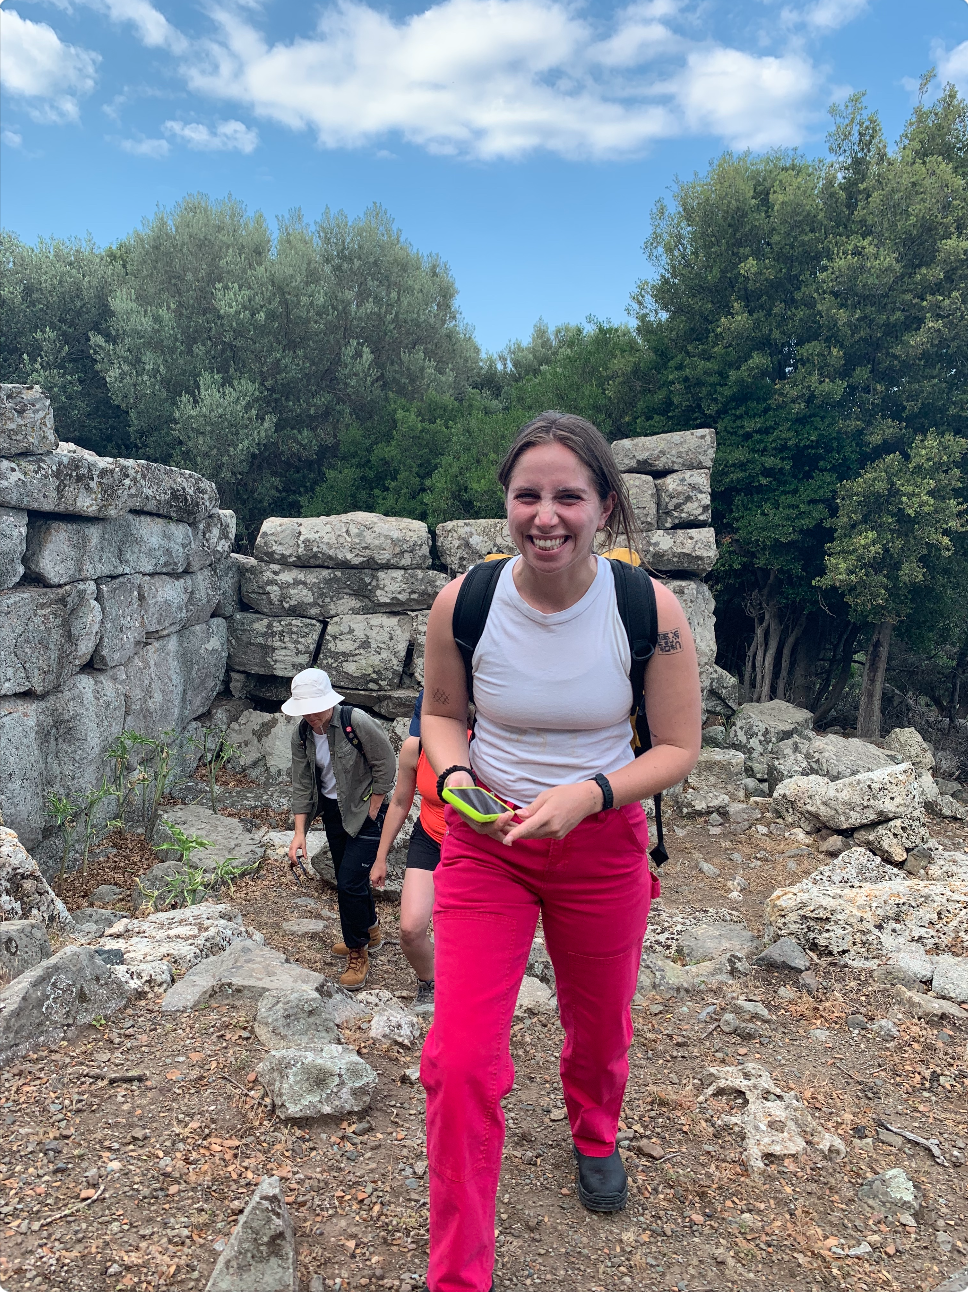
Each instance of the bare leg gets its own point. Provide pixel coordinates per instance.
(416, 908)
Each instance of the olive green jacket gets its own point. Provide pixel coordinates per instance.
(358, 777)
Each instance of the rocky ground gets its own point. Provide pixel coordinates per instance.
(127, 1152)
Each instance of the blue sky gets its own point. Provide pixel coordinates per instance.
(525, 141)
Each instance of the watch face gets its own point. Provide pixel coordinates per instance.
(478, 800)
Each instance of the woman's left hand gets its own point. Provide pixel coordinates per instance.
(556, 812)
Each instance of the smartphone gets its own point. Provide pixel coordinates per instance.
(475, 803)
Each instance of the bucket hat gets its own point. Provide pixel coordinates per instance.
(312, 692)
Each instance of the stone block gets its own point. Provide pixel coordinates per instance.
(75, 482)
(212, 538)
(462, 543)
(365, 652)
(46, 635)
(228, 837)
(356, 540)
(26, 421)
(720, 689)
(260, 1255)
(47, 1002)
(24, 892)
(23, 945)
(317, 1083)
(787, 760)
(170, 602)
(680, 549)
(790, 798)
(267, 644)
(950, 979)
(758, 727)
(260, 686)
(697, 602)
(391, 705)
(719, 771)
(228, 583)
(319, 593)
(711, 940)
(245, 972)
(296, 1019)
(66, 551)
(866, 799)
(674, 451)
(893, 840)
(642, 496)
(263, 744)
(13, 542)
(683, 499)
(418, 643)
(122, 625)
(837, 758)
(171, 681)
(912, 747)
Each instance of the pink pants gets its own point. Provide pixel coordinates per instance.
(593, 889)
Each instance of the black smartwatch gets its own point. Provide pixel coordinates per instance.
(608, 798)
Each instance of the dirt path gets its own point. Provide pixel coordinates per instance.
(153, 1170)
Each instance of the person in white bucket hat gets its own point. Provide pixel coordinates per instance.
(344, 775)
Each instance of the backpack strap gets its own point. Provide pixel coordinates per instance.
(635, 600)
(346, 723)
(470, 611)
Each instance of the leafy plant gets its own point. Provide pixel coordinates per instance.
(225, 873)
(156, 772)
(182, 843)
(216, 752)
(63, 812)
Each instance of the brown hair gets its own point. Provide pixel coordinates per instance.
(590, 446)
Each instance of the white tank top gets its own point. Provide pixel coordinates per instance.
(552, 691)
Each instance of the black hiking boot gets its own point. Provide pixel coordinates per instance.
(602, 1182)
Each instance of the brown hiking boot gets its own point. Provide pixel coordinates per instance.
(374, 944)
(357, 969)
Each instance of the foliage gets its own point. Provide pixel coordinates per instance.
(63, 811)
(215, 752)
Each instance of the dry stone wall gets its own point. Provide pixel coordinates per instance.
(115, 586)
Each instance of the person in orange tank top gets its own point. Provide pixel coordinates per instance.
(415, 776)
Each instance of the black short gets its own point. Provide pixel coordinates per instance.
(423, 852)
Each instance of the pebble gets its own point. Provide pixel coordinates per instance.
(728, 1023)
(819, 1034)
(715, 819)
(755, 1008)
(856, 1022)
(739, 883)
(710, 871)
(809, 983)
(884, 1029)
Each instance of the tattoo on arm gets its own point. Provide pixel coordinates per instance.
(441, 696)
(668, 643)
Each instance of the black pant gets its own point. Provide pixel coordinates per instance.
(352, 862)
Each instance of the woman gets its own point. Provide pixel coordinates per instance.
(415, 776)
(552, 739)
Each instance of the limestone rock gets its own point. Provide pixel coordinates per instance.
(757, 728)
(462, 543)
(837, 758)
(913, 749)
(946, 807)
(228, 837)
(366, 652)
(73, 482)
(24, 892)
(702, 802)
(787, 760)
(950, 978)
(534, 997)
(263, 744)
(709, 941)
(680, 549)
(13, 542)
(356, 540)
(893, 840)
(93, 920)
(68, 550)
(933, 1008)
(260, 686)
(45, 1003)
(774, 1123)
(784, 953)
(315, 593)
(664, 977)
(26, 421)
(245, 971)
(46, 635)
(172, 602)
(675, 451)
(212, 540)
(697, 602)
(395, 1024)
(296, 1019)
(23, 944)
(280, 646)
(539, 964)
(122, 623)
(418, 643)
(171, 681)
(181, 939)
(228, 582)
(391, 705)
(866, 799)
(854, 866)
(790, 798)
(260, 1256)
(720, 690)
(642, 496)
(317, 1083)
(719, 771)
(106, 895)
(683, 499)
(892, 1191)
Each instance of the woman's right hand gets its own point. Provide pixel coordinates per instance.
(298, 844)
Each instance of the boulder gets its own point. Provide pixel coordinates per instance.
(892, 1191)
(263, 742)
(709, 941)
(394, 1024)
(26, 421)
(664, 977)
(92, 920)
(854, 866)
(212, 540)
(534, 997)
(295, 1019)
(702, 802)
(245, 972)
(45, 1003)
(260, 1256)
(356, 540)
(782, 954)
(683, 499)
(23, 944)
(932, 1008)
(913, 749)
(366, 652)
(719, 771)
(790, 799)
(46, 635)
(24, 892)
(228, 837)
(171, 681)
(642, 496)
(462, 543)
(75, 482)
(865, 799)
(68, 550)
(697, 602)
(674, 451)
(837, 758)
(720, 690)
(180, 939)
(317, 593)
(228, 582)
(170, 602)
(122, 623)
(950, 979)
(317, 1083)
(106, 895)
(279, 646)
(946, 807)
(680, 549)
(787, 760)
(13, 543)
(758, 728)
(893, 840)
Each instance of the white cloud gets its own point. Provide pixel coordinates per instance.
(153, 28)
(228, 136)
(824, 15)
(953, 65)
(35, 64)
(12, 138)
(502, 78)
(154, 148)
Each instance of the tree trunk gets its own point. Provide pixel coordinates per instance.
(788, 646)
(872, 686)
(846, 660)
(752, 688)
(805, 664)
(775, 625)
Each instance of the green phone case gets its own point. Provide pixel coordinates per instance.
(466, 810)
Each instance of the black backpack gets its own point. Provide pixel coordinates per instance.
(635, 598)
